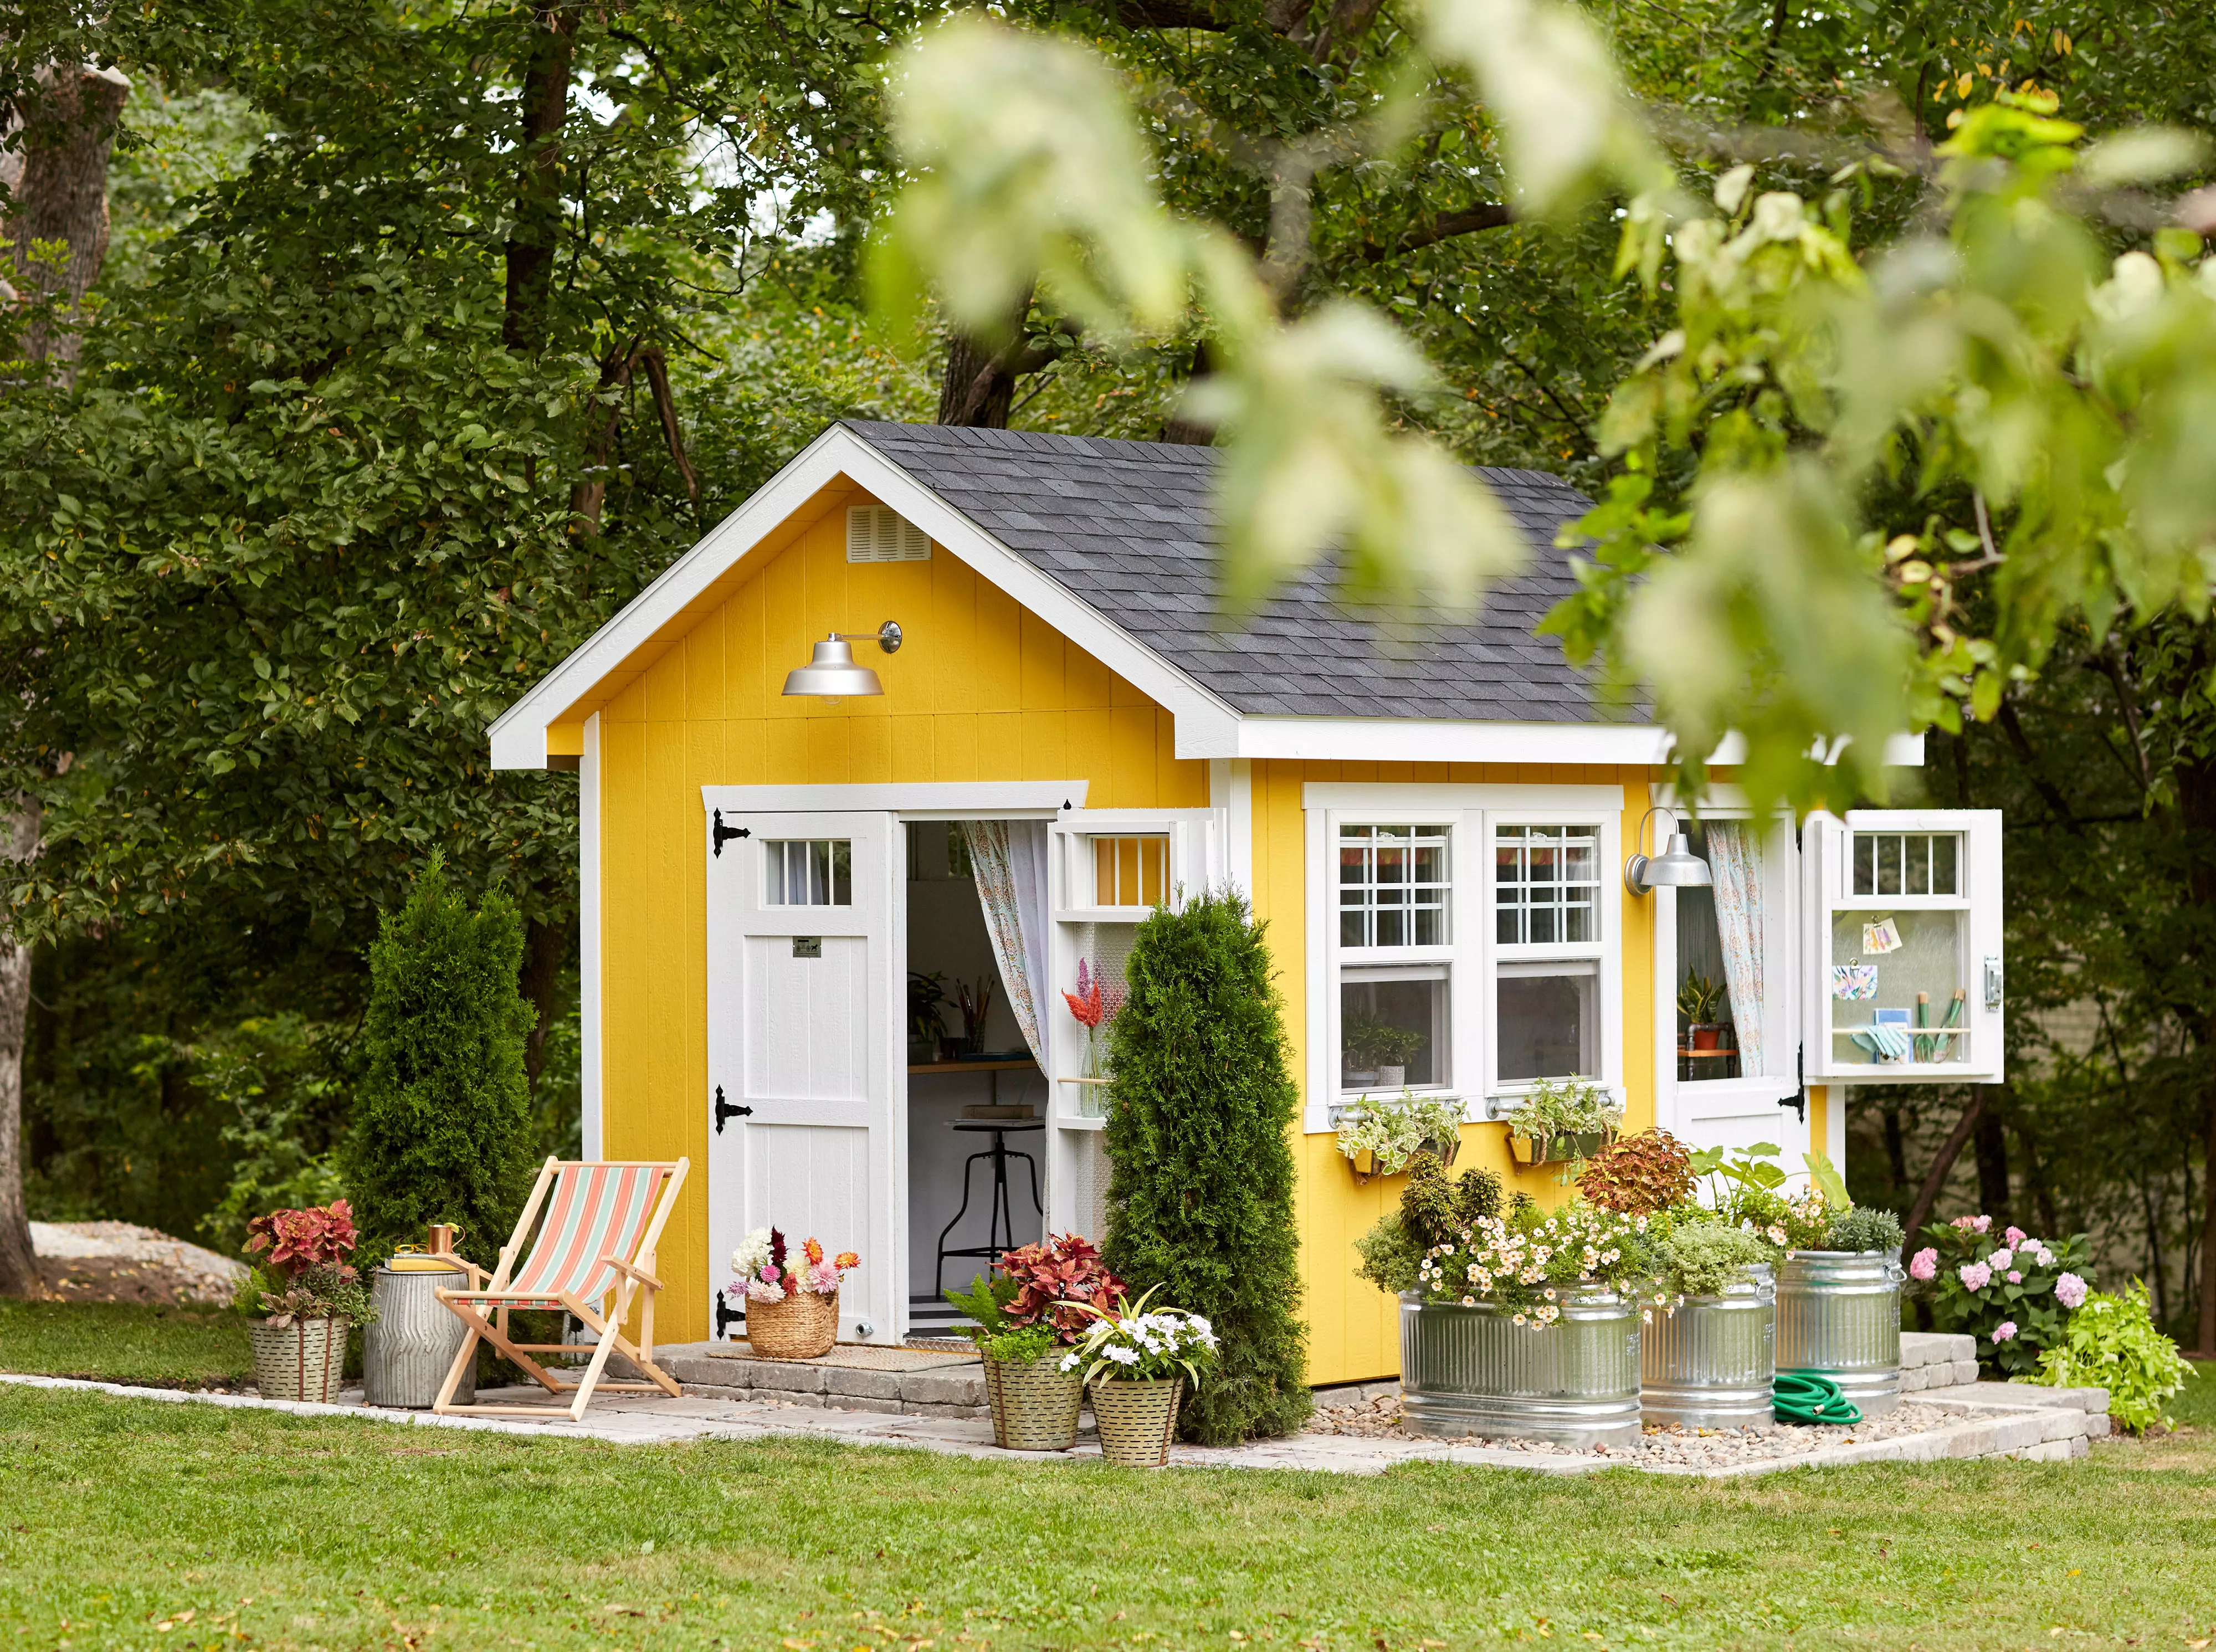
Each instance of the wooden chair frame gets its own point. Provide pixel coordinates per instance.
(604, 1315)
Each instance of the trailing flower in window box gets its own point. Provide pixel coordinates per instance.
(1562, 1121)
(1380, 1136)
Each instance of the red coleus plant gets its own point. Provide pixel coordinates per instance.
(319, 1236)
(1055, 1280)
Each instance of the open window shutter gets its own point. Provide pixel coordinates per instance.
(1901, 920)
(1110, 868)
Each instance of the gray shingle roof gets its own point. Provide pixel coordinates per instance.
(1126, 527)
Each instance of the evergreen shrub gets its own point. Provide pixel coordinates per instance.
(442, 1127)
(1201, 1104)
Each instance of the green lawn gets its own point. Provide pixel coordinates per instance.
(126, 1342)
(272, 1530)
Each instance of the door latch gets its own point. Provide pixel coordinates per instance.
(719, 832)
(1992, 983)
(728, 1110)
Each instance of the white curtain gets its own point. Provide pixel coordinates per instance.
(1735, 862)
(1009, 859)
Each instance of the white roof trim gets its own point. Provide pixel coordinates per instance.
(1414, 740)
(519, 734)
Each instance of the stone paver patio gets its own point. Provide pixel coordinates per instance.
(923, 1407)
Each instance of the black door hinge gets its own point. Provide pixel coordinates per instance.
(727, 1316)
(1799, 1100)
(719, 832)
(728, 1110)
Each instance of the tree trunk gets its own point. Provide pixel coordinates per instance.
(1936, 1178)
(2196, 797)
(1896, 1151)
(544, 109)
(978, 389)
(1993, 1197)
(19, 1265)
(2207, 1340)
(545, 950)
(59, 181)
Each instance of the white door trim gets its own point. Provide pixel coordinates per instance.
(952, 800)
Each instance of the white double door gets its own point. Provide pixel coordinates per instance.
(806, 1011)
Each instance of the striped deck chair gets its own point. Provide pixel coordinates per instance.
(595, 1254)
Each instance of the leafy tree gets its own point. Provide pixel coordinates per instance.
(1200, 1192)
(442, 1128)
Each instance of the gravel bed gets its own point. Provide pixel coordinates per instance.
(1671, 1447)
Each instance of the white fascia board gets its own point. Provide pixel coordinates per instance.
(1416, 739)
(948, 800)
(519, 734)
(1205, 725)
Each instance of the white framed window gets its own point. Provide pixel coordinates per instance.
(1462, 942)
(808, 872)
(1902, 962)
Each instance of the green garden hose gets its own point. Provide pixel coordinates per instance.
(1797, 1397)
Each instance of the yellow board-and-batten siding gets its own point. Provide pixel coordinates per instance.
(981, 690)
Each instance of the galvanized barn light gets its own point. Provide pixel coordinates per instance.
(1675, 867)
(831, 671)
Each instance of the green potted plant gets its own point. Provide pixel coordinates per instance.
(1379, 1136)
(302, 1297)
(926, 1024)
(1377, 1052)
(1137, 1364)
(1562, 1121)
(1699, 1000)
(1026, 1321)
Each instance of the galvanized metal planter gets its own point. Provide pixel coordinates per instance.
(406, 1353)
(1710, 1363)
(1839, 1316)
(1475, 1370)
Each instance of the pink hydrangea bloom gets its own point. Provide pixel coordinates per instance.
(1924, 1265)
(1982, 1223)
(2005, 1331)
(1975, 1275)
(2070, 1291)
(2015, 1237)
(2001, 1260)
(2015, 1276)
(1965, 1222)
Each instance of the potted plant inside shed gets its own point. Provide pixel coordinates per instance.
(1027, 1320)
(302, 1297)
(1698, 1001)
(1380, 1134)
(792, 1304)
(1377, 1052)
(1137, 1364)
(1563, 1120)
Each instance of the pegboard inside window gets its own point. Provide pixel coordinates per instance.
(874, 534)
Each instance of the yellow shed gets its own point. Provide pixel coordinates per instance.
(939, 714)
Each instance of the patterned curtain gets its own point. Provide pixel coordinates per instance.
(1735, 862)
(1009, 859)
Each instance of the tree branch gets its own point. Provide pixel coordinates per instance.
(1485, 215)
(657, 378)
(1951, 1150)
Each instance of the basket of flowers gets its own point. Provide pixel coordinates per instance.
(1137, 1364)
(302, 1296)
(1026, 1321)
(792, 1303)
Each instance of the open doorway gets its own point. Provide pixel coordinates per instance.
(977, 1097)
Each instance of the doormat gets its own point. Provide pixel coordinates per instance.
(859, 1356)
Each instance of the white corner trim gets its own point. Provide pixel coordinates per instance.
(1231, 795)
(1382, 798)
(519, 734)
(950, 800)
(590, 1001)
(1316, 881)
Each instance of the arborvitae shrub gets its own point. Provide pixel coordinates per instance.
(442, 1122)
(1200, 1193)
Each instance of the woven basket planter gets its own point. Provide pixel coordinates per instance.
(1137, 1419)
(1034, 1403)
(304, 1360)
(804, 1326)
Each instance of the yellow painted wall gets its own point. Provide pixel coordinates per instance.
(1352, 1331)
(980, 691)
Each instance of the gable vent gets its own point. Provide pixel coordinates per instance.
(877, 535)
